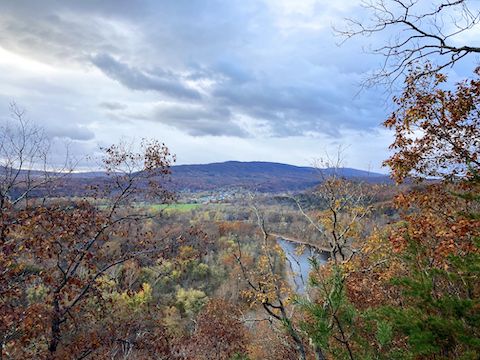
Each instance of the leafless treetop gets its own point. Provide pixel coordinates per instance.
(423, 31)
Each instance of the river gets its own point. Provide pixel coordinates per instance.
(298, 265)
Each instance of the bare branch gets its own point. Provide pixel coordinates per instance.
(416, 29)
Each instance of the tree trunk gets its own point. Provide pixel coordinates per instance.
(55, 328)
(319, 354)
(298, 343)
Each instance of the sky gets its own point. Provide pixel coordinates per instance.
(248, 80)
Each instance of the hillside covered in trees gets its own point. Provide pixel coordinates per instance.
(144, 259)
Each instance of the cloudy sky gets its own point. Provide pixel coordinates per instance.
(215, 80)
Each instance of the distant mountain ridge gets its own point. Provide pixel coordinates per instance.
(260, 176)
(230, 175)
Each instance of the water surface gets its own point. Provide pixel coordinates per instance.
(298, 264)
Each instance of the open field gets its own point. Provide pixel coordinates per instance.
(174, 207)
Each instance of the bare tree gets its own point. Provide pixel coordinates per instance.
(24, 152)
(420, 32)
(84, 256)
(23, 158)
(63, 245)
(341, 206)
(267, 286)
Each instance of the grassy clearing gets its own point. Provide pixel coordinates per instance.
(173, 207)
(169, 208)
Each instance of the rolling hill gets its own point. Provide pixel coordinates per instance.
(231, 175)
(260, 176)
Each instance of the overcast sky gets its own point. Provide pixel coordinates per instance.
(215, 80)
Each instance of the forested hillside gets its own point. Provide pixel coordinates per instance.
(143, 259)
(259, 176)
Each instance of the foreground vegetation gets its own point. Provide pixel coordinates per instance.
(103, 277)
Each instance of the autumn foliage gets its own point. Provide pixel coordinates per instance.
(437, 130)
(120, 275)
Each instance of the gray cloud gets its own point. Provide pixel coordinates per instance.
(112, 105)
(55, 37)
(135, 79)
(70, 132)
(296, 110)
(199, 121)
(258, 70)
(280, 82)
